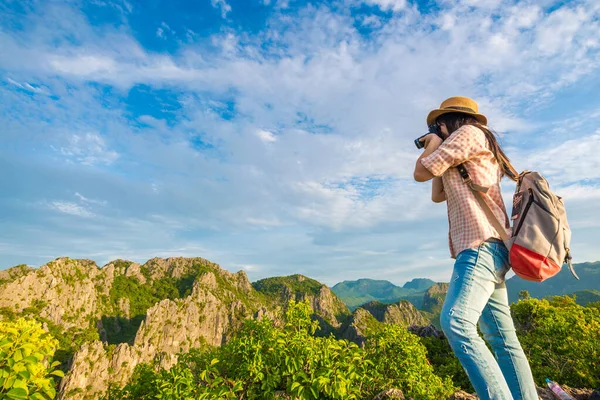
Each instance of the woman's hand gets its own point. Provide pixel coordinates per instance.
(433, 140)
(431, 143)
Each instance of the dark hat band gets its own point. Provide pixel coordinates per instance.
(460, 109)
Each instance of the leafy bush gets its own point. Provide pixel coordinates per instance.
(263, 360)
(560, 339)
(400, 361)
(26, 366)
(444, 362)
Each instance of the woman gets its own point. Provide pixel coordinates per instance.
(477, 289)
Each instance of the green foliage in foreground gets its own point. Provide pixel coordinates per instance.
(26, 366)
(561, 339)
(264, 360)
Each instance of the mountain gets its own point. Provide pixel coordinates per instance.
(355, 293)
(419, 284)
(330, 310)
(563, 283)
(584, 297)
(401, 313)
(371, 317)
(433, 300)
(110, 319)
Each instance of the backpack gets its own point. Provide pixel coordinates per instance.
(541, 236)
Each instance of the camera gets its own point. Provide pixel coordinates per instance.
(433, 128)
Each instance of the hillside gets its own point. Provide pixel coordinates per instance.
(362, 291)
(331, 311)
(110, 319)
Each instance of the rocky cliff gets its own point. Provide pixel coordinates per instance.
(329, 309)
(401, 313)
(145, 313)
(371, 316)
(434, 297)
(216, 307)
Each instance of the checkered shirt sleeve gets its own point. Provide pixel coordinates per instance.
(463, 144)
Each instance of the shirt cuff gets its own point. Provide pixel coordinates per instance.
(435, 163)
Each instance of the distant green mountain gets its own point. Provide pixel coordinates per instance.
(419, 284)
(584, 297)
(356, 293)
(561, 284)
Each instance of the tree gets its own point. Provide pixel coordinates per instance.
(524, 295)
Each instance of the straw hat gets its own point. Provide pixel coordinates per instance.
(457, 104)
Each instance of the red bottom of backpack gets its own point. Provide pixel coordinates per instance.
(531, 266)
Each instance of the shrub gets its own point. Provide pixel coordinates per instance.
(262, 360)
(26, 366)
(560, 339)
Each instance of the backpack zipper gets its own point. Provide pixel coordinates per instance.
(529, 203)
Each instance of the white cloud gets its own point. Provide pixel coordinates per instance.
(70, 208)
(28, 87)
(556, 33)
(222, 5)
(266, 136)
(84, 199)
(572, 161)
(333, 189)
(84, 65)
(163, 30)
(88, 149)
(387, 5)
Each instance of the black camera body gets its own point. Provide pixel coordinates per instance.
(433, 128)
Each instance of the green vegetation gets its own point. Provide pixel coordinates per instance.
(560, 339)
(26, 365)
(445, 364)
(14, 273)
(294, 283)
(263, 360)
(121, 328)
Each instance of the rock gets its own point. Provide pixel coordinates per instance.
(426, 331)
(543, 393)
(63, 291)
(390, 394)
(595, 395)
(402, 313)
(329, 310)
(460, 395)
(434, 297)
(214, 310)
(578, 394)
(356, 327)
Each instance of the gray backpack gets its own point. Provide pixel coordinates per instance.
(541, 236)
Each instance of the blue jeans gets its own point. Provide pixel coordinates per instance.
(477, 292)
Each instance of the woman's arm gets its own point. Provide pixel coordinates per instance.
(437, 190)
(422, 174)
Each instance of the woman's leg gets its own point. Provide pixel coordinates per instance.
(498, 329)
(473, 281)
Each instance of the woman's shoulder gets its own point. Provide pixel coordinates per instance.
(469, 133)
(470, 129)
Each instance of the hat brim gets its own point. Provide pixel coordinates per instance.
(433, 115)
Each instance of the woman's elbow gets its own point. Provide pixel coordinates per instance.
(439, 197)
(420, 176)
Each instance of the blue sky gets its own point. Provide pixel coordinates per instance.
(276, 136)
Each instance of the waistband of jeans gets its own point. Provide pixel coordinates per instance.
(494, 240)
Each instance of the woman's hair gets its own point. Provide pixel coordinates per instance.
(455, 120)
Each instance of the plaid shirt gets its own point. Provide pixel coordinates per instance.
(469, 226)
